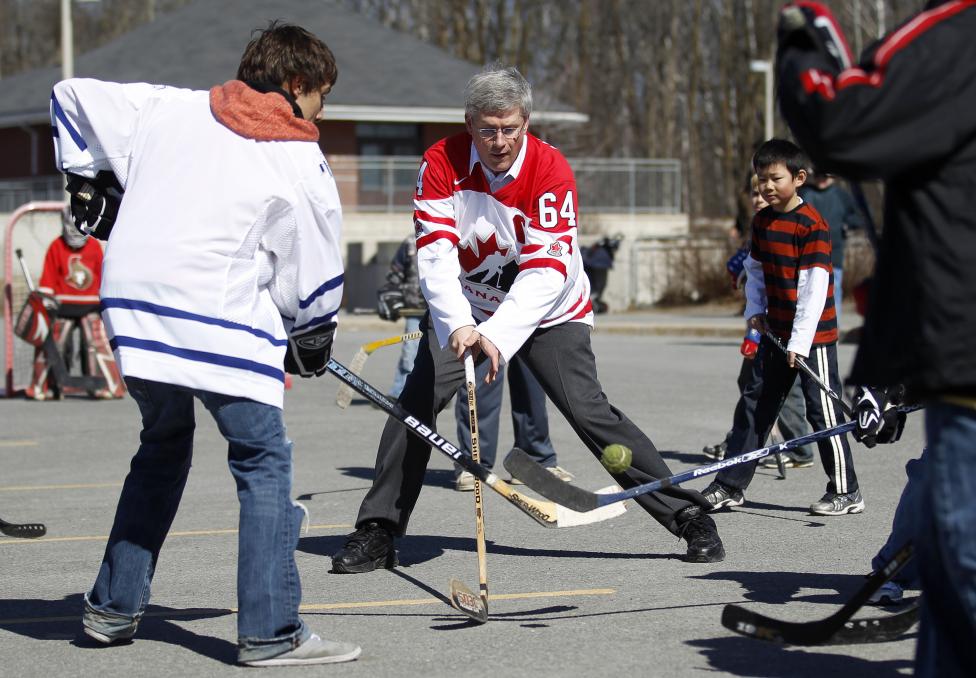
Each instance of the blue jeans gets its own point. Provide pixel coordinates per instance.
(408, 353)
(905, 523)
(946, 544)
(259, 455)
(838, 292)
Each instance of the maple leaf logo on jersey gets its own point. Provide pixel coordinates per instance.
(555, 249)
(484, 262)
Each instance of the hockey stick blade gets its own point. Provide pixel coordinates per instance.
(358, 362)
(467, 603)
(23, 530)
(822, 631)
(526, 469)
(876, 629)
(546, 513)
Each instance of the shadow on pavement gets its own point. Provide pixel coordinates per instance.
(754, 658)
(60, 620)
(416, 549)
(782, 587)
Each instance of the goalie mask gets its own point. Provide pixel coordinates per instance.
(75, 238)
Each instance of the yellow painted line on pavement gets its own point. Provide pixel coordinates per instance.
(18, 443)
(66, 486)
(185, 533)
(427, 601)
(312, 607)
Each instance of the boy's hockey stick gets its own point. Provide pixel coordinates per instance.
(461, 596)
(22, 530)
(537, 478)
(828, 631)
(546, 513)
(802, 364)
(344, 396)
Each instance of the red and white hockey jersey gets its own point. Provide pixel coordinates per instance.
(73, 276)
(506, 261)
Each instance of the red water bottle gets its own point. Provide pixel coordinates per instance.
(750, 343)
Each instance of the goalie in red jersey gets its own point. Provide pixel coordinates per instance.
(71, 275)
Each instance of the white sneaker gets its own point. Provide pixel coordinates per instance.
(314, 650)
(890, 593)
(464, 482)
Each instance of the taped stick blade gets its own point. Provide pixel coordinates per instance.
(467, 603)
(344, 394)
(569, 518)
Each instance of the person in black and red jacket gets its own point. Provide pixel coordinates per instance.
(903, 114)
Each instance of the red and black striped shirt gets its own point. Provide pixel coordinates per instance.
(786, 243)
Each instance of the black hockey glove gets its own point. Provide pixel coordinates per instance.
(389, 302)
(94, 203)
(811, 27)
(878, 419)
(309, 351)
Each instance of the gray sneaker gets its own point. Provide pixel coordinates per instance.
(314, 650)
(890, 593)
(464, 482)
(108, 627)
(720, 496)
(832, 504)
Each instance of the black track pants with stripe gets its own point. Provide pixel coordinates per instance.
(770, 382)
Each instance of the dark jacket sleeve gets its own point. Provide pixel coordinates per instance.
(858, 122)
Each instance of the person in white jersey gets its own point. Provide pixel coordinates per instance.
(499, 263)
(216, 304)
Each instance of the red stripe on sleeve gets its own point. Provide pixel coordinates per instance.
(437, 235)
(544, 263)
(425, 216)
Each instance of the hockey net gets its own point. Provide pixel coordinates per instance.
(30, 229)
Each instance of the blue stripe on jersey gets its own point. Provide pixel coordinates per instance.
(316, 321)
(322, 289)
(199, 356)
(59, 114)
(167, 311)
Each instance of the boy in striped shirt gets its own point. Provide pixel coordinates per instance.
(789, 293)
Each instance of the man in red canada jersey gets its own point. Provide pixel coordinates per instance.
(499, 263)
(72, 274)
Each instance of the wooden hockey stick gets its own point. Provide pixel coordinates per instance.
(461, 598)
(344, 396)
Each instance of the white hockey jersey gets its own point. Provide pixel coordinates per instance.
(227, 238)
(506, 261)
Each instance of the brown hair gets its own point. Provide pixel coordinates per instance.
(282, 52)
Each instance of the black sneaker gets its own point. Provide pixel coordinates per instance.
(367, 548)
(698, 529)
(716, 452)
(720, 496)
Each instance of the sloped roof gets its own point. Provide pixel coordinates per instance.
(383, 74)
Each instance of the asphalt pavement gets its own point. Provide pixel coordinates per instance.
(613, 598)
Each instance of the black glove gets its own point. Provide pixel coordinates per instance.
(878, 418)
(309, 351)
(94, 203)
(389, 301)
(811, 27)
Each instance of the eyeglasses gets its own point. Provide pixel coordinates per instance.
(489, 133)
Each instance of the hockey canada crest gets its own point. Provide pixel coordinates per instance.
(487, 262)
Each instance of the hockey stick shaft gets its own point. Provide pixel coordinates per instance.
(546, 513)
(802, 364)
(479, 507)
(23, 267)
(755, 625)
(390, 341)
(526, 469)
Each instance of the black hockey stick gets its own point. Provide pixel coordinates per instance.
(546, 513)
(22, 530)
(802, 364)
(825, 631)
(526, 469)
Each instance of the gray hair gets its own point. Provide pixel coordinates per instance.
(497, 88)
